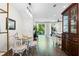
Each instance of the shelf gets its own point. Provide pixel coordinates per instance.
(70, 39)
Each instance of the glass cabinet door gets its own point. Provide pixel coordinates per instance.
(65, 22)
(73, 19)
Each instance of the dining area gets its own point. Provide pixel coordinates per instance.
(14, 38)
(22, 46)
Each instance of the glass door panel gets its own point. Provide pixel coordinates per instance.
(65, 19)
(73, 19)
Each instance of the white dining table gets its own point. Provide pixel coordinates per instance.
(22, 47)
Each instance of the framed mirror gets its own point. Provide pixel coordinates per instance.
(11, 24)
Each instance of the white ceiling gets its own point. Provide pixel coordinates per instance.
(46, 10)
(43, 10)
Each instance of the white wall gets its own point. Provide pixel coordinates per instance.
(24, 25)
(58, 27)
(14, 14)
(27, 27)
(3, 37)
(44, 20)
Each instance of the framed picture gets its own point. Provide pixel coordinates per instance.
(11, 24)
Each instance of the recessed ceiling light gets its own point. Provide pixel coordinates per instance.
(29, 4)
(64, 6)
(54, 5)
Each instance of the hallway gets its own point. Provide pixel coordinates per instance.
(39, 29)
(47, 47)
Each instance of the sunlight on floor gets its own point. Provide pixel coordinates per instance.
(47, 47)
(42, 44)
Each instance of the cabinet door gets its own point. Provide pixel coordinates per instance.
(63, 42)
(74, 49)
(65, 22)
(73, 22)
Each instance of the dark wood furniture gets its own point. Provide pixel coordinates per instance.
(9, 53)
(70, 28)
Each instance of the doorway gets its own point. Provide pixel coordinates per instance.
(46, 42)
(39, 30)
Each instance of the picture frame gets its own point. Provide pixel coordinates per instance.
(11, 24)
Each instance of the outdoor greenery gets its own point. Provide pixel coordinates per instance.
(40, 29)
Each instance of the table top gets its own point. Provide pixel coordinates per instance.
(20, 48)
(23, 37)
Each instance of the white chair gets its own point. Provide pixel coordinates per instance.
(18, 46)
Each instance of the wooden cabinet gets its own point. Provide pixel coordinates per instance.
(70, 35)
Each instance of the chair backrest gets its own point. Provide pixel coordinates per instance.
(17, 41)
(16, 54)
(9, 53)
(25, 53)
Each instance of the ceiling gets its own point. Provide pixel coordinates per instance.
(46, 10)
(43, 10)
